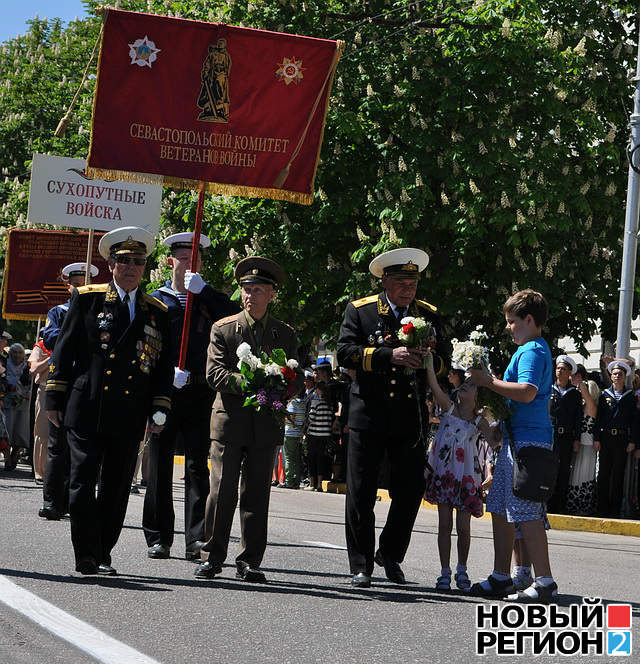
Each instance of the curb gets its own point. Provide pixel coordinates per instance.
(585, 524)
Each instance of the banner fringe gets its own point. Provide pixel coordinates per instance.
(210, 187)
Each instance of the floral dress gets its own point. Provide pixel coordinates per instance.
(453, 471)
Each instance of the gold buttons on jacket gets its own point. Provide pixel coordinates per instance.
(410, 395)
(108, 372)
(393, 381)
(133, 361)
(129, 377)
(106, 387)
(391, 394)
(126, 391)
(111, 357)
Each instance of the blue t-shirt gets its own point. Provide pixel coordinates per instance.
(532, 363)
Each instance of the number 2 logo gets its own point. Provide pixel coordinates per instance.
(619, 643)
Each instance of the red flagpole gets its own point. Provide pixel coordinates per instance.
(195, 248)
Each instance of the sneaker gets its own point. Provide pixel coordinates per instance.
(522, 582)
(546, 594)
(499, 589)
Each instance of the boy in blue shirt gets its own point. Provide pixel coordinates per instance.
(527, 386)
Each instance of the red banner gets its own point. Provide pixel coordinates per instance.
(179, 102)
(32, 280)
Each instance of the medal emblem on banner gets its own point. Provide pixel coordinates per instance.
(143, 52)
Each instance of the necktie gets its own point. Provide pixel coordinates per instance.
(400, 314)
(258, 331)
(125, 307)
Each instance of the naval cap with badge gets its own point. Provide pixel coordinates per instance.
(78, 270)
(128, 240)
(403, 263)
(259, 270)
(569, 362)
(185, 241)
(618, 364)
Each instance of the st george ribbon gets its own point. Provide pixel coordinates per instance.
(189, 104)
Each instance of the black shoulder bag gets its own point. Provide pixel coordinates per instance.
(535, 470)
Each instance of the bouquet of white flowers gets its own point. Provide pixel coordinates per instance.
(472, 354)
(267, 382)
(416, 333)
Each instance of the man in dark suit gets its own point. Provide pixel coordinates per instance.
(387, 412)
(242, 436)
(191, 398)
(55, 484)
(110, 371)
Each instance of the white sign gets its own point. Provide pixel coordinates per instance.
(61, 195)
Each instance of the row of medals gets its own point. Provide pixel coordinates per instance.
(149, 349)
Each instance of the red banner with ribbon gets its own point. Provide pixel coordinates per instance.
(179, 102)
(32, 275)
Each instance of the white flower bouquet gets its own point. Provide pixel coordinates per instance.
(268, 382)
(472, 354)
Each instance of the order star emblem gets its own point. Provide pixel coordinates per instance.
(143, 52)
(290, 71)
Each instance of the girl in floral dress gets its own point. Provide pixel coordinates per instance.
(454, 474)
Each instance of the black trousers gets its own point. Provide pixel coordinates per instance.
(228, 462)
(406, 487)
(189, 418)
(97, 517)
(612, 461)
(563, 448)
(55, 482)
(317, 457)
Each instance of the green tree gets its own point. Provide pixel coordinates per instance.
(490, 133)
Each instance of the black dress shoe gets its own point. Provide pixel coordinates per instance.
(106, 570)
(49, 513)
(250, 574)
(361, 580)
(192, 552)
(207, 570)
(391, 568)
(158, 551)
(87, 565)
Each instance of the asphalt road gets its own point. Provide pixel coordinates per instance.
(306, 613)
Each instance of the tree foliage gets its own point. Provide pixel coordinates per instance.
(491, 133)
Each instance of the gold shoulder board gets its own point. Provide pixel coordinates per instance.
(93, 288)
(365, 300)
(422, 303)
(155, 302)
(227, 320)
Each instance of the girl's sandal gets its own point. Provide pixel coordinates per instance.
(443, 583)
(462, 581)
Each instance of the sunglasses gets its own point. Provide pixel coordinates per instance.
(131, 260)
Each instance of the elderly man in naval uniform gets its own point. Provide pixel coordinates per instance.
(387, 412)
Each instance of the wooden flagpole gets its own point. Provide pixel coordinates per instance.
(195, 248)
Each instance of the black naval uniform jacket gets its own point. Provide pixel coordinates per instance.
(616, 419)
(209, 306)
(566, 411)
(107, 374)
(382, 396)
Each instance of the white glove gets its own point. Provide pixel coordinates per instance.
(180, 377)
(193, 282)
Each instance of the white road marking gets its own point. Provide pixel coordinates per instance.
(326, 545)
(87, 638)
